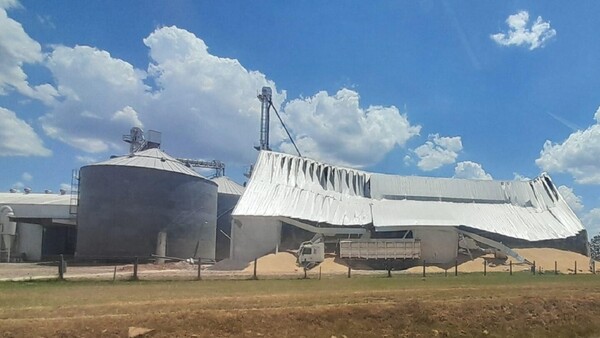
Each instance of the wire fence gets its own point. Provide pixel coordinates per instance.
(141, 268)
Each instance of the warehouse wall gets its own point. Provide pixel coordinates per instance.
(439, 245)
(254, 237)
(29, 242)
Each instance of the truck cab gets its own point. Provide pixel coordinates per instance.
(310, 254)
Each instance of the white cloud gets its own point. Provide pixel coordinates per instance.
(127, 115)
(27, 177)
(519, 177)
(66, 187)
(335, 129)
(17, 138)
(86, 159)
(591, 220)
(93, 117)
(519, 34)
(438, 151)
(6, 4)
(572, 200)
(204, 105)
(470, 170)
(578, 155)
(17, 49)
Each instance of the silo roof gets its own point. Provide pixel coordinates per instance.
(153, 159)
(228, 186)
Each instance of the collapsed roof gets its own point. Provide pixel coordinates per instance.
(288, 186)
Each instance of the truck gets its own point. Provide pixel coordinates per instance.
(379, 253)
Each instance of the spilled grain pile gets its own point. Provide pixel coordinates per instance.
(285, 262)
(282, 262)
(544, 259)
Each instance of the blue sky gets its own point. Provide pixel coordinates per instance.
(502, 90)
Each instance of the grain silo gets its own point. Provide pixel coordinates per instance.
(229, 194)
(128, 202)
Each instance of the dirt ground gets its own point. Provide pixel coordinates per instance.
(470, 305)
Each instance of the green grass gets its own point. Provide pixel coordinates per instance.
(374, 305)
(54, 292)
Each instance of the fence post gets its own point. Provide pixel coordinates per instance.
(555, 267)
(484, 267)
(594, 267)
(61, 268)
(349, 271)
(135, 269)
(199, 277)
(510, 267)
(456, 267)
(575, 267)
(533, 270)
(423, 268)
(254, 274)
(319, 272)
(115, 274)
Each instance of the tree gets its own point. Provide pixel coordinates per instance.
(595, 247)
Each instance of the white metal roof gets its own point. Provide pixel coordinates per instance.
(228, 186)
(153, 159)
(288, 186)
(34, 198)
(38, 205)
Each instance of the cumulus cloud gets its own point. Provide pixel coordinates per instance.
(572, 200)
(519, 177)
(7, 4)
(204, 105)
(27, 177)
(99, 97)
(591, 220)
(336, 129)
(86, 159)
(207, 103)
(17, 138)
(127, 115)
(520, 34)
(577, 155)
(17, 49)
(471, 170)
(438, 151)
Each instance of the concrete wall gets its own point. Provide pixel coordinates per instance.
(29, 242)
(439, 245)
(254, 237)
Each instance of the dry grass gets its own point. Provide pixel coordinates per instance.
(469, 305)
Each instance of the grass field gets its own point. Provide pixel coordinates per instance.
(497, 305)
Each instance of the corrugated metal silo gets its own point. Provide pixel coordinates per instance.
(229, 194)
(127, 201)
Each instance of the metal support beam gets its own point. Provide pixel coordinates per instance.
(497, 245)
(329, 231)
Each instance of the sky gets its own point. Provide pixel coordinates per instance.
(471, 89)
